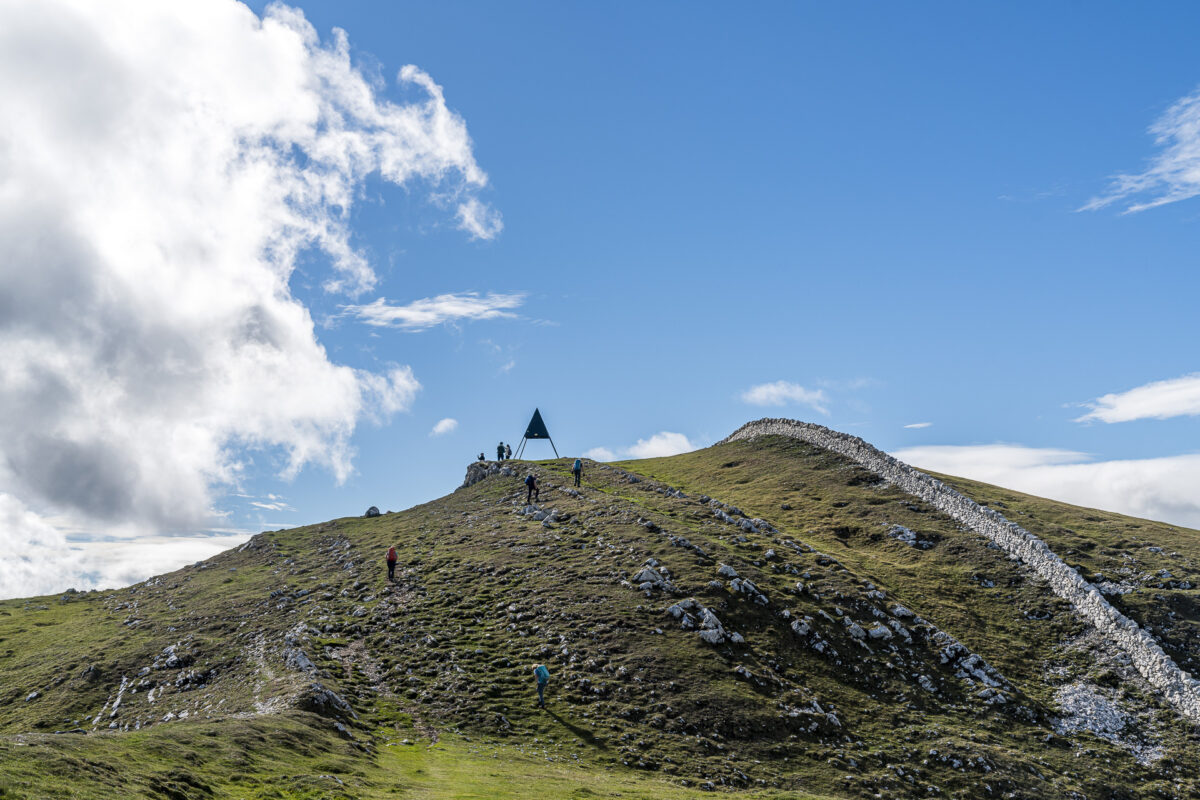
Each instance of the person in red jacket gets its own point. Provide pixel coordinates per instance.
(391, 562)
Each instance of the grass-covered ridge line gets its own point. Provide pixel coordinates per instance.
(639, 705)
(1158, 668)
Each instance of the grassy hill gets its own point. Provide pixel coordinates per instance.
(759, 617)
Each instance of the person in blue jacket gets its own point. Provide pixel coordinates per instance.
(577, 470)
(543, 677)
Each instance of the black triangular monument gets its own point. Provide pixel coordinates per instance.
(536, 429)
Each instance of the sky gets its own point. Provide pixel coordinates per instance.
(267, 265)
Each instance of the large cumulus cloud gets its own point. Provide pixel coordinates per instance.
(162, 166)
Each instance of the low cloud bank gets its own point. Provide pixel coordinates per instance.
(1153, 488)
(662, 444)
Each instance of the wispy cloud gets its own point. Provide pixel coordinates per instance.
(1177, 397)
(444, 426)
(1154, 488)
(479, 219)
(919, 425)
(783, 393)
(271, 506)
(503, 355)
(427, 312)
(600, 454)
(1173, 174)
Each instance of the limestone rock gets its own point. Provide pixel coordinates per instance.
(1177, 686)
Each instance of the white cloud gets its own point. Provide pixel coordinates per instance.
(782, 393)
(162, 166)
(659, 445)
(479, 219)
(109, 564)
(273, 505)
(33, 553)
(919, 425)
(422, 314)
(1155, 488)
(664, 443)
(444, 426)
(1177, 397)
(1173, 174)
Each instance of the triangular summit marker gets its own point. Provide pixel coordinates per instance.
(536, 429)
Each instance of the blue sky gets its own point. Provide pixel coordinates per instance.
(878, 198)
(880, 206)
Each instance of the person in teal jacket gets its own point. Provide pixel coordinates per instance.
(543, 677)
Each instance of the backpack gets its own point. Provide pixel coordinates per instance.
(529, 480)
(391, 556)
(543, 674)
(578, 466)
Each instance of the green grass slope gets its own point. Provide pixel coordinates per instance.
(848, 662)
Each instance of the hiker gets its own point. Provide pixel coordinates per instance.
(507, 452)
(391, 562)
(577, 470)
(500, 452)
(481, 457)
(532, 491)
(543, 677)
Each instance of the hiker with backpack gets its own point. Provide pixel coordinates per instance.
(543, 677)
(577, 470)
(532, 491)
(391, 562)
(507, 452)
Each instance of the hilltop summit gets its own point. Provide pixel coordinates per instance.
(787, 613)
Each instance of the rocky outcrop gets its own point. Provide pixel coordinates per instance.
(480, 470)
(1179, 688)
(319, 700)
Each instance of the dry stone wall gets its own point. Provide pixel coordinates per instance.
(1179, 688)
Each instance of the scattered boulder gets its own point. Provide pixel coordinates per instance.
(372, 512)
(298, 660)
(747, 587)
(692, 615)
(647, 575)
(319, 700)
(880, 631)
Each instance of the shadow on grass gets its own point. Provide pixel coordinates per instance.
(581, 733)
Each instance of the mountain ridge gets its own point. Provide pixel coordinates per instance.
(766, 617)
(1177, 685)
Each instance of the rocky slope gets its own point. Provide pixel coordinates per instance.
(766, 616)
(1177, 686)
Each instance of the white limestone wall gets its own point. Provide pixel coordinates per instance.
(1179, 688)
